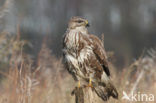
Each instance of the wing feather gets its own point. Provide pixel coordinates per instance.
(100, 53)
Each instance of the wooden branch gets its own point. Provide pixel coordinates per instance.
(84, 95)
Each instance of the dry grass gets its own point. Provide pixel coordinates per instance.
(47, 81)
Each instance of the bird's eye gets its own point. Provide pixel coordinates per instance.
(79, 21)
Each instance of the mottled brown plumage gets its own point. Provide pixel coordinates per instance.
(85, 58)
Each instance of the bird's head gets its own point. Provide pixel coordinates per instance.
(77, 22)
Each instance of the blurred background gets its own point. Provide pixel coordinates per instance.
(31, 66)
(129, 26)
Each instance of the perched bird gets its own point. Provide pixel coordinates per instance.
(85, 58)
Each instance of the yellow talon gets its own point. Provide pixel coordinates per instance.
(79, 84)
(90, 83)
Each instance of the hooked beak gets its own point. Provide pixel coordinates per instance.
(87, 24)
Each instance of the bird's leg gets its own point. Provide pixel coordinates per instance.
(90, 83)
(79, 85)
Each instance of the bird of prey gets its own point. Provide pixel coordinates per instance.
(85, 58)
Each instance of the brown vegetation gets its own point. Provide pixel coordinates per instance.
(46, 81)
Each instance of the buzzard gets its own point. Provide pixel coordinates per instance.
(85, 58)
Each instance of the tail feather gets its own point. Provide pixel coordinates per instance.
(114, 93)
(105, 92)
